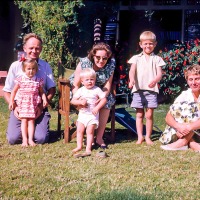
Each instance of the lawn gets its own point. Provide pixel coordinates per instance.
(130, 172)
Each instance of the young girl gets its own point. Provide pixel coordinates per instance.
(86, 98)
(28, 92)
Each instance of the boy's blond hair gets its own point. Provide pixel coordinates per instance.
(87, 72)
(147, 35)
(192, 70)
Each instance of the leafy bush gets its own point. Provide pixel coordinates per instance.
(52, 20)
(178, 59)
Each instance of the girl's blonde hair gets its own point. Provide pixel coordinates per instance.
(87, 72)
(147, 35)
(192, 70)
(29, 62)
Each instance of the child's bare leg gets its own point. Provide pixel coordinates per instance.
(79, 137)
(31, 131)
(149, 125)
(90, 137)
(24, 124)
(194, 145)
(139, 124)
(181, 141)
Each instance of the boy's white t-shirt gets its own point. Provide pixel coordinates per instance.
(146, 71)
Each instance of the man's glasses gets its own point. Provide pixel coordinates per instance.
(103, 58)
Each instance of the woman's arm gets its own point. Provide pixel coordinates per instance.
(107, 87)
(182, 129)
(77, 79)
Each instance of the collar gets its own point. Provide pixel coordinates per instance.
(142, 53)
(33, 78)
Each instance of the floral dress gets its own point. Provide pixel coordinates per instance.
(183, 112)
(102, 76)
(28, 97)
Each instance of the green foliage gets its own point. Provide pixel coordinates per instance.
(178, 59)
(52, 20)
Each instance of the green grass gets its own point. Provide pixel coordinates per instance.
(130, 172)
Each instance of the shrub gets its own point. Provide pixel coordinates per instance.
(178, 59)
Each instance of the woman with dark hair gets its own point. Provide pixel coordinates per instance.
(100, 59)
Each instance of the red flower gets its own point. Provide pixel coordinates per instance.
(176, 51)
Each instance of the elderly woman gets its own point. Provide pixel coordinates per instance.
(183, 118)
(100, 59)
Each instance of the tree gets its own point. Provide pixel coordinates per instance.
(52, 20)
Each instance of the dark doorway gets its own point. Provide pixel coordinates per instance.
(166, 24)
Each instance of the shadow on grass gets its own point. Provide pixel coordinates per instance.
(121, 195)
(121, 136)
(54, 136)
(126, 135)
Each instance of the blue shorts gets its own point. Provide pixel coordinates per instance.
(144, 99)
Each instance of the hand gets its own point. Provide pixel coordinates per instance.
(152, 84)
(10, 106)
(131, 84)
(95, 111)
(183, 130)
(16, 113)
(38, 112)
(83, 102)
(179, 135)
(45, 104)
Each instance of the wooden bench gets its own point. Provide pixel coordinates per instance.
(3, 75)
(64, 110)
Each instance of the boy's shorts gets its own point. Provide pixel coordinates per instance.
(144, 99)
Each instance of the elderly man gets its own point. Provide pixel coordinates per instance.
(32, 48)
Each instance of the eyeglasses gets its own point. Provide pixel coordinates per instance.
(99, 58)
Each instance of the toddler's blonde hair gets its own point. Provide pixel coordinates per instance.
(147, 35)
(87, 72)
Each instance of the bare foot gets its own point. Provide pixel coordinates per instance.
(77, 149)
(140, 140)
(25, 144)
(31, 143)
(148, 141)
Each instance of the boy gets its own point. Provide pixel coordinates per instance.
(144, 74)
(86, 99)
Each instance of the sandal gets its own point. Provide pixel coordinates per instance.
(102, 146)
(101, 154)
(81, 155)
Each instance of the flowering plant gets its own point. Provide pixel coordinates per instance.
(178, 59)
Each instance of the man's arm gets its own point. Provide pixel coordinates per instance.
(50, 94)
(7, 96)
